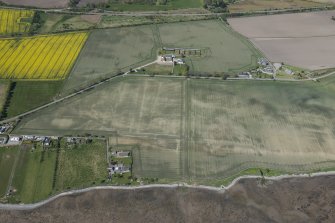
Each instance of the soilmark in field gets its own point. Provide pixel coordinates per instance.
(41, 57)
(15, 21)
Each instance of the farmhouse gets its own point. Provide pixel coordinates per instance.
(3, 139)
(47, 141)
(118, 168)
(14, 140)
(245, 75)
(3, 129)
(168, 57)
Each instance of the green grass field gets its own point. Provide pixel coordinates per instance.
(4, 85)
(82, 166)
(34, 174)
(204, 129)
(7, 159)
(227, 52)
(171, 5)
(31, 94)
(108, 52)
(111, 51)
(60, 22)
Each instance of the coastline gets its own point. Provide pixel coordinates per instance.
(24, 207)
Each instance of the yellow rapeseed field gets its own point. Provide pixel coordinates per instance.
(48, 57)
(14, 21)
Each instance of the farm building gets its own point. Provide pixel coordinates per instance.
(121, 154)
(14, 140)
(3, 139)
(179, 61)
(168, 57)
(47, 141)
(118, 168)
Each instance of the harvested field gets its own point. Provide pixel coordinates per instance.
(15, 21)
(304, 40)
(259, 5)
(39, 3)
(108, 52)
(288, 200)
(206, 129)
(40, 57)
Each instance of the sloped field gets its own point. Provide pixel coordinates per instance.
(203, 129)
(40, 57)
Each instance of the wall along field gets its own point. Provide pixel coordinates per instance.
(205, 129)
(15, 21)
(40, 57)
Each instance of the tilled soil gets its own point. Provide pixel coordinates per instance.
(288, 200)
(303, 39)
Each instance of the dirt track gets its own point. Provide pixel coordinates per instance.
(288, 200)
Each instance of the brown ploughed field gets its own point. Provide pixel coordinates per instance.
(304, 40)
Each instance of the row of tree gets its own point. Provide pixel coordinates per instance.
(217, 5)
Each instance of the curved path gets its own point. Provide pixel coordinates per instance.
(221, 189)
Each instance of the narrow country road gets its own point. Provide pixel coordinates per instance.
(222, 188)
